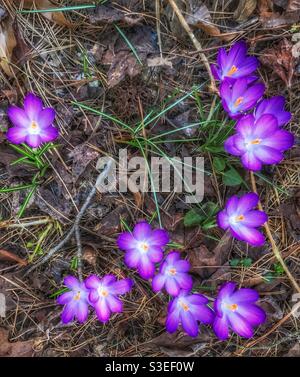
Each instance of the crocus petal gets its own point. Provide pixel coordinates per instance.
(93, 296)
(18, 117)
(46, 117)
(16, 135)
(159, 237)
(158, 282)
(132, 258)
(64, 298)
(34, 141)
(108, 279)
(48, 134)
(221, 328)
(121, 287)
(245, 125)
(126, 241)
(155, 254)
(172, 321)
(251, 162)
(231, 205)
(33, 105)
(172, 287)
(226, 290)
(185, 281)
(252, 314)
(71, 282)
(247, 202)
(240, 325)
(230, 146)
(183, 266)
(215, 71)
(102, 310)
(252, 95)
(142, 231)
(172, 257)
(222, 57)
(268, 155)
(281, 140)
(115, 304)
(146, 268)
(237, 53)
(197, 299)
(255, 218)
(265, 126)
(82, 311)
(222, 220)
(69, 312)
(92, 282)
(249, 65)
(203, 314)
(250, 235)
(189, 323)
(245, 295)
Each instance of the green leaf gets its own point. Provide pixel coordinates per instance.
(192, 218)
(232, 177)
(219, 163)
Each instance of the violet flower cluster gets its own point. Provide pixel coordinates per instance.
(32, 125)
(145, 247)
(258, 138)
(102, 294)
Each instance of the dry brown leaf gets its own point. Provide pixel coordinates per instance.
(107, 14)
(200, 18)
(281, 61)
(7, 44)
(57, 17)
(270, 19)
(14, 349)
(244, 10)
(9, 256)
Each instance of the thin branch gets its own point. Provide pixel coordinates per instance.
(75, 228)
(196, 43)
(275, 249)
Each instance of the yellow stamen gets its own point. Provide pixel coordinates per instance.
(232, 70)
(255, 141)
(184, 306)
(233, 307)
(172, 271)
(145, 246)
(103, 293)
(238, 101)
(33, 125)
(77, 296)
(240, 218)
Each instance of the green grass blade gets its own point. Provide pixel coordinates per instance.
(16, 188)
(130, 45)
(26, 201)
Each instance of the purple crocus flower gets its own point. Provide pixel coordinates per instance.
(173, 275)
(104, 294)
(235, 64)
(242, 221)
(33, 124)
(259, 141)
(275, 107)
(75, 301)
(144, 248)
(236, 309)
(186, 309)
(239, 97)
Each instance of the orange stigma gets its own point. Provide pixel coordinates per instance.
(232, 70)
(172, 271)
(144, 247)
(103, 293)
(33, 125)
(77, 296)
(184, 306)
(255, 141)
(240, 218)
(233, 307)
(238, 101)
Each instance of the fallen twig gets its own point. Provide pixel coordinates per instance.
(75, 228)
(7, 255)
(196, 43)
